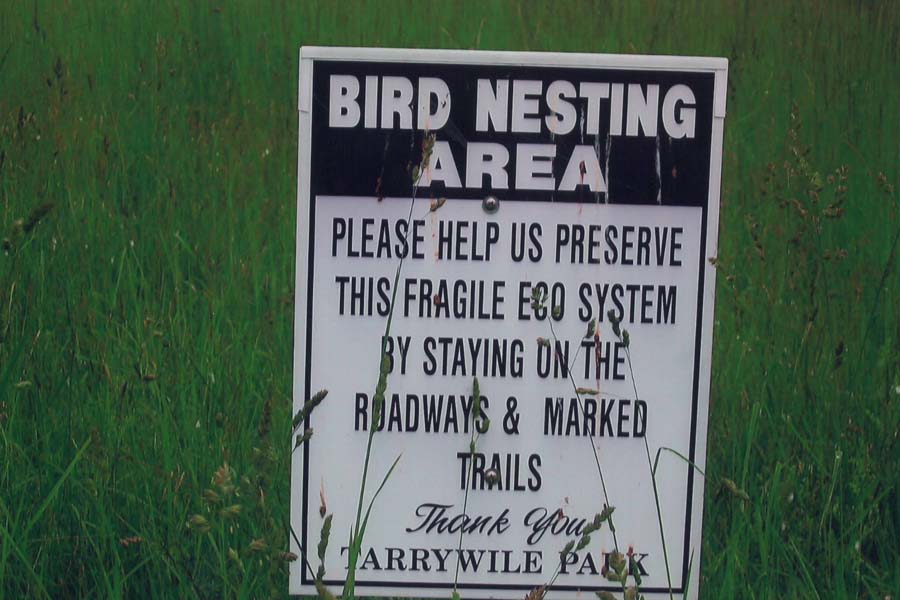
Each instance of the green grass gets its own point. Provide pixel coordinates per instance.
(146, 321)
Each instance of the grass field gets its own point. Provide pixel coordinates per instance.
(147, 201)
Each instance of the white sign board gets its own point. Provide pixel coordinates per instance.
(602, 177)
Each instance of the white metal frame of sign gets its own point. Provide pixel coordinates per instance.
(654, 180)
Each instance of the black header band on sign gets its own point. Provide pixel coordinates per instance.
(638, 168)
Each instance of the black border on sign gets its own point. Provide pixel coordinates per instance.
(305, 580)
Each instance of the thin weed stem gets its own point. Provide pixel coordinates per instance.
(356, 542)
(590, 441)
(476, 410)
(662, 533)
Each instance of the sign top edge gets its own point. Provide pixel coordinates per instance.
(516, 58)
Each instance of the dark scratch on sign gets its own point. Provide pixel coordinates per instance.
(378, 192)
(608, 182)
(658, 174)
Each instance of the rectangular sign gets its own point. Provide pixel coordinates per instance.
(544, 223)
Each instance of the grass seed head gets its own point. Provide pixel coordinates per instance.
(235, 557)
(593, 525)
(198, 524)
(538, 299)
(224, 480)
(615, 322)
(476, 399)
(567, 549)
(617, 562)
(323, 538)
(537, 593)
(308, 407)
(607, 512)
(732, 488)
(592, 326)
(133, 540)
(210, 497)
(230, 512)
(303, 437)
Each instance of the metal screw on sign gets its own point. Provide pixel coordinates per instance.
(490, 204)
